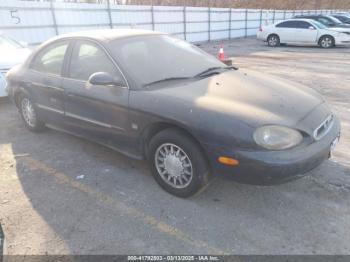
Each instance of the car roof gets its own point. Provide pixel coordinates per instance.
(316, 15)
(107, 34)
(298, 19)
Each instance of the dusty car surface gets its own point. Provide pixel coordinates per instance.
(154, 97)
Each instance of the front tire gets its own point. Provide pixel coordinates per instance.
(29, 114)
(326, 41)
(177, 163)
(273, 40)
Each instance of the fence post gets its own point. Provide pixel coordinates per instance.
(246, 23)
(273, 16)
(185, 22)
(261, 11)
(109, 14)
(152, 17)
(209, 23)
(229, 23)
(284, 15)
(52, 9)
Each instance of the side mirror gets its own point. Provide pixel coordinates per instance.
(105, 79)
(312, 28)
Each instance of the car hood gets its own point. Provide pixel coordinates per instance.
(252, 97)
(10, 57)
(340, 29)
(341, 26)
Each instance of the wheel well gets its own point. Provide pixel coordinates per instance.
(16, 97)
(154, 129)
(319, 40)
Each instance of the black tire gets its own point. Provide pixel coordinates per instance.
(35, 125)
(326, 41)
(199, 165)
(273, 40)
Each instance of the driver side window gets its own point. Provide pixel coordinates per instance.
(89, 58)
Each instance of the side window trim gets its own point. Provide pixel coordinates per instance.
(33, 60)
(69, 60)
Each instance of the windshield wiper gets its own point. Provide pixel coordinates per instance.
(214, 70)
(166, 79)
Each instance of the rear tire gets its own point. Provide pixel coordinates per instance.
(177, 163)
(273, 40)
(29, 114)
(326, 41)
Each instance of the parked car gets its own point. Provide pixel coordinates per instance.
(345, 19)
(11, 54)
(303, 32)
(155, 97)
(327, 20)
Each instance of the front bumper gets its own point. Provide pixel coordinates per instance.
(342, 40)
(274, 167)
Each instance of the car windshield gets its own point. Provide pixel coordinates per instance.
(334, 20)
(343, 18)
(157, 58)
(319, 25)
(7, 42)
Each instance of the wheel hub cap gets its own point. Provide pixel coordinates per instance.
(28, 112)
(326, 42)
(173, 165)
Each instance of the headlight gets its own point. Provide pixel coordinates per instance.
(277, 137)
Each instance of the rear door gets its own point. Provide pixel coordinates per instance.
(95, 111)
(306, 33)
(286, 31)
(45, 85)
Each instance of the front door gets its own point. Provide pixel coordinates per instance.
(95, 111)
(306, 33)
(286, 31)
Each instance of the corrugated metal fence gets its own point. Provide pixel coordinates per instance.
(34, 22)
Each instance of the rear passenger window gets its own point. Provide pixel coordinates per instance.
(88, 58)
(288, 24)
(303, 25)
(50, 60)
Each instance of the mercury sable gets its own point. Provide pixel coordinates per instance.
(155, 97)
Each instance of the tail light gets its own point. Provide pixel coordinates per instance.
(260, 29)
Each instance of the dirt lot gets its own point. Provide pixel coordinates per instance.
(117, 208)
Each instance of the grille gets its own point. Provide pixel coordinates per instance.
(324, 127)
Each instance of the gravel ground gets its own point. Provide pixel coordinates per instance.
(64, 195)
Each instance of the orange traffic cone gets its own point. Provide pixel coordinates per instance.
(221, 54)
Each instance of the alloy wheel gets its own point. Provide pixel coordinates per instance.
(326, 42)
(273, 41)
(28, 112)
